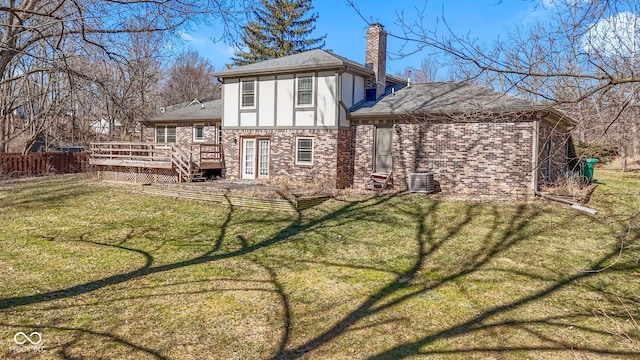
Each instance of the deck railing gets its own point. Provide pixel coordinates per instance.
(131, 154)
(182, 163)
(152, 155)
(207, 156)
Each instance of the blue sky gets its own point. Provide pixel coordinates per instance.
(345, 29)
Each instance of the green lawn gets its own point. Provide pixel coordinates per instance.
(104, 272)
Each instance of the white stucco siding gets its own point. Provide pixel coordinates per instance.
(305, 117)
(326, 99)
(275, 102)
(267, 103)
(231, 93)
(346, 89)
(248, 119)
(358, 89)
(284, 100)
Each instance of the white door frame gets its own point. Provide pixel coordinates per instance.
(263, 158)
(248, 158)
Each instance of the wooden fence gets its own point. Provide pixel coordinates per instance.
(44, 163)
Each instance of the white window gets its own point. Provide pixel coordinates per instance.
(248, 93)
(165, 134)
(304, 151)
(305, 91)
(198, 132)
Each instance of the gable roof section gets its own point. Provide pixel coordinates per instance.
(442, 98)
(304, 61)
(208, 110)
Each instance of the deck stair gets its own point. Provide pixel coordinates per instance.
(188, 170)
(379, 181)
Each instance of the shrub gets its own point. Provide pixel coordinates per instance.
(599, 151)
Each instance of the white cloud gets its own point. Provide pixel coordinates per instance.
(186, 37)
(618, 35)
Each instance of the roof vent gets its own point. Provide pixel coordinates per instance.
(194, 101)
(163, 110)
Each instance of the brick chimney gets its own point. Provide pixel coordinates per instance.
(376, 57)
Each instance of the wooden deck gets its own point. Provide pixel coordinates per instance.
(154, 156)
(128, 154)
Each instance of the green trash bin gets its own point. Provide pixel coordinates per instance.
(587, 170)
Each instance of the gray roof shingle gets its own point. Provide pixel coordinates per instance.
(441, 97)
(195, 110)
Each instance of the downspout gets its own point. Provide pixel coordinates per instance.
(338, 77)
(534, 172)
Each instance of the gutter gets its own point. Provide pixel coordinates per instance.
(555, 115)
(288, 71)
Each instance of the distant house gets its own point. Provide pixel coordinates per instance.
(316, 117)
(106, 127)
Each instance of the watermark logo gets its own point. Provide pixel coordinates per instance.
(21, 338)
(27, 343)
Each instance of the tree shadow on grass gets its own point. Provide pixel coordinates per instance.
(65, 349)
(406, 286)
(429, 239)
(296, 227)
(42, 197)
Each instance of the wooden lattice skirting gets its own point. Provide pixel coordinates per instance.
(136, 174)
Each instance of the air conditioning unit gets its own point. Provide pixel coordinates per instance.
(421, 182)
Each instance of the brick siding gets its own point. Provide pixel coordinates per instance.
(184, 133)
(481, 159)
(376, 57)
(331, 157)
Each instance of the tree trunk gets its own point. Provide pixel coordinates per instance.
(623, 157)
(636, 147)
(4, 121)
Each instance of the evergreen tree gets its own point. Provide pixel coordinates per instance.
(279, 28)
